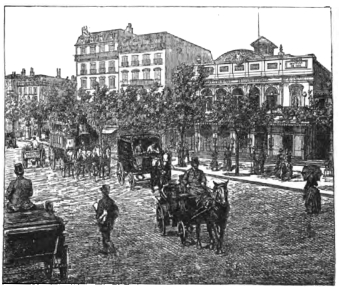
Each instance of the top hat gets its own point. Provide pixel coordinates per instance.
(195, 160)
(18, 169)
(105, 189)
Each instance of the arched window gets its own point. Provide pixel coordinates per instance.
(220, 94)
(296, 94)
(207, 94)
(135, 74)
(271, 97)
(238, 92)
(157, 74)
(146, 73)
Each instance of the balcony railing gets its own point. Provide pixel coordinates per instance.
(146, 62)
(111, 70)
(102, 70)
(157, 61)
(93, 71)
(124, 64)
(83, 72)
(97, 56)
(141, 82)
(135, 63)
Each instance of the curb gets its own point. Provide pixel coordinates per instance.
(323, 193)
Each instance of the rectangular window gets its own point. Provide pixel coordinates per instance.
(102, 82)
(93, 81)
(112, 82)
(125, 58)
(111, 47)
(124, 77)
(102, 68)
(146, 74)
(84, 83)
(254, 66)
(111, 66)
(135, 75)
(124, 61)
(34, 90)
(93, 49)
(146, 59)
(224, 68)
(157, 74)
(239, 67)
(102, 48)
(83, 50)
(30, 90)
(157, 55)
(135, 60)
(93, 68)
(272, 65)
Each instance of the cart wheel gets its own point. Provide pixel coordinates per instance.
(64, 264)
(48, 268)
(120, 174)
(161, 220)
(182, 232)
(131, 181)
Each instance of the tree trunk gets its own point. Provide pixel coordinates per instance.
(237, 150)
(100, 139)
(181, 161)
(39, 130)
(13, 126)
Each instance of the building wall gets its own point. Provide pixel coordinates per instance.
(181, 51)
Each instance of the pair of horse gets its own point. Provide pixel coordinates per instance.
(89, 162)
(214, 214)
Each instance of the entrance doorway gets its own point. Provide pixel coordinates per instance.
(287, 141)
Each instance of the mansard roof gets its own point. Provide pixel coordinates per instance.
(101, 36)
(237, 55)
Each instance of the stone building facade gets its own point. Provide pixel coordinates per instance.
(281, 79)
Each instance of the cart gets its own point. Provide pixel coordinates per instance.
(135, 163)
(35, 236)
(34, 155)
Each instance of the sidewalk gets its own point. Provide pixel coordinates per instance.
(296, 184)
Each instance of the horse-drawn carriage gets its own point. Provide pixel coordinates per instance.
(177, 208)
(36, 156)
(78, 155)
(140, 155)
(35, 236)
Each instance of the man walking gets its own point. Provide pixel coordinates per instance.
(19, 192)
(106, 214)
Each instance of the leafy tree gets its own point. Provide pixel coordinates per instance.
(101, 108)
(237, 112)
(13, 110)
(185, 105)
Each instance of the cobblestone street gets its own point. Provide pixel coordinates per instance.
(269, 238)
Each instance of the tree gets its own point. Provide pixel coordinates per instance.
(237, 112)
(13, 111)
(185, 105)
(101, 108)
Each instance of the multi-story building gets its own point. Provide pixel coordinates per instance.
(30, 87)
(118, 58)
(281, 79)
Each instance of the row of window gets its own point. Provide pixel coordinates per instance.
(102, 67)
(146, 73)
(146, 60)
(102, 82)
(92, 48)
(28, 90)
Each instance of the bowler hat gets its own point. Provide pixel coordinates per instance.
(105, 188)
(18, 169)
(195, 160)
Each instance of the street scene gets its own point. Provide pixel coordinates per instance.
(161, 160)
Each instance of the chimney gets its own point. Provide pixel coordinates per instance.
(129, 28)
(23, 72)
(58, 72)
(31, 72)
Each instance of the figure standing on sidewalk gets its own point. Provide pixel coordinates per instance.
(262, 160)
(255, 162)
(227, 159)
(106, 214)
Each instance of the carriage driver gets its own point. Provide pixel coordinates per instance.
(194, 180)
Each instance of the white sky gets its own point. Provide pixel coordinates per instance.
(44, 37)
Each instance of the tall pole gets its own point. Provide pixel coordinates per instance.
(258, 24)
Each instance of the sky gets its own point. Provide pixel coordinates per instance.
(44, 37)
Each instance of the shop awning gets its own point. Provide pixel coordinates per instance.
(109, 130)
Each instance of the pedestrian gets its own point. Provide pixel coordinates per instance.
(255, 163)
(35, 143)
(227, 159)
(262, 160)
(280, 160)
(187, 152)
(19, 192)
(106, 213)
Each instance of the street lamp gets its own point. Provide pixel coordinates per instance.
(232, 144)
(249, 142)
(215, 137)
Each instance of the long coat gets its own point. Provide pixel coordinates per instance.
(18, 194)
(108, 204)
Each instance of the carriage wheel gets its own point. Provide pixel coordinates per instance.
(182, 232)
(64, 264)
(131, 181)
(120, 174)
(161, 220)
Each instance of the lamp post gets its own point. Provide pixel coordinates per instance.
(249, 142)
(215, 138)
(232, 144)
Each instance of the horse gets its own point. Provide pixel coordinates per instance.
(69, 159)
(83, 163)
(215, 215)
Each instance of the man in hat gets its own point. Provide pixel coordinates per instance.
(35, 143)
(106, 214)
(280, 160)
(194, 180)
(19, 192)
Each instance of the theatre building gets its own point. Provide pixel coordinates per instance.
(281, 79)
